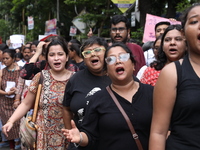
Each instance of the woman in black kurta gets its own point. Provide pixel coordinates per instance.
(104, 127)
(104, 121)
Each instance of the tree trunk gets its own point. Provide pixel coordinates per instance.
(144, 8)
(171, 10)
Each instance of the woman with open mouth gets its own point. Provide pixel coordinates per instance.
(49, 117)
(85, 83)
(172, 48)
(104, 126)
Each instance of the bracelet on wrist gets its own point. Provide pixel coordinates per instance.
(81, 140)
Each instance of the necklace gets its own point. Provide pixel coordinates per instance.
(11, 70)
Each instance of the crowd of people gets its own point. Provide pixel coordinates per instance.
(156, 90)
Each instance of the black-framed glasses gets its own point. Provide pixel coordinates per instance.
(122, 57)
(120, 29)
(97, 51)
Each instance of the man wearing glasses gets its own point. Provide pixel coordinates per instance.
(119, 32)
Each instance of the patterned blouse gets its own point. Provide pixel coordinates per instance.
(150, 76)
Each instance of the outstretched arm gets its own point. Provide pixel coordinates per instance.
(75, 136)
(21, 110)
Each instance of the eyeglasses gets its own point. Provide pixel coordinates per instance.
(121, 30)
(122, 57)
(97, 51)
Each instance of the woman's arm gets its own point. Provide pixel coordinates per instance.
(31, 68)
(163, 102)
(21, 110)
(75, 136)
(18, 93)
(67, 117)
(37, 53)
(26, 104)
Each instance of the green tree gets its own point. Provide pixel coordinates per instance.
(15, 13)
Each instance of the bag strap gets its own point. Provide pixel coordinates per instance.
(135, 136)
(37, 97)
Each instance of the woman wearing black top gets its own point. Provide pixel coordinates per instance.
(104, 127)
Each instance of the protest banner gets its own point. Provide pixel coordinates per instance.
(50, 26)
(151, 21)
(30, 23)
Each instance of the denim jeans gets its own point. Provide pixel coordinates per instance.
(2, 135)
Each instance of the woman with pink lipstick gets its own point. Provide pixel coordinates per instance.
(173, 47)
(176, 95)
(49, 118)
(103, 126)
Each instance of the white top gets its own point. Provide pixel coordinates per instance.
(2, 66)
(149, 56)
(141, 71)
(21, 63)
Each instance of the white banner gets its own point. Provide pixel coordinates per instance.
(30, 23)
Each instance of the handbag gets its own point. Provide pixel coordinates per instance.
(134, 134)
(28, 128)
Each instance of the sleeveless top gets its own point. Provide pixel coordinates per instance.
(185, 120)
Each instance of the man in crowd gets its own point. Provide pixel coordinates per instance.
(148, 53)
(120, 32)
(26, 52)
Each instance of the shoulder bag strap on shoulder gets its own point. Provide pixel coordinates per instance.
(37, 97)
(135, 136)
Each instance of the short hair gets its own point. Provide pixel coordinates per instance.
(3, 46)
(35, 43)
(120, 18)
(162, 23)
(94, 40)
(26, 48)
(11, 52)
(75, 46)
(18, 55)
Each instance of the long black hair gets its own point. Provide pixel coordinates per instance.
(162, 58)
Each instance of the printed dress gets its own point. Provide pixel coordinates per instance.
(150, 76)
(49, 117)
(6, 103)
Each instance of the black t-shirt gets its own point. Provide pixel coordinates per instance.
(78, 66)
(103, 120)
(82, 85)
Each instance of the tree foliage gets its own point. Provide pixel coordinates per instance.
(14, 13)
